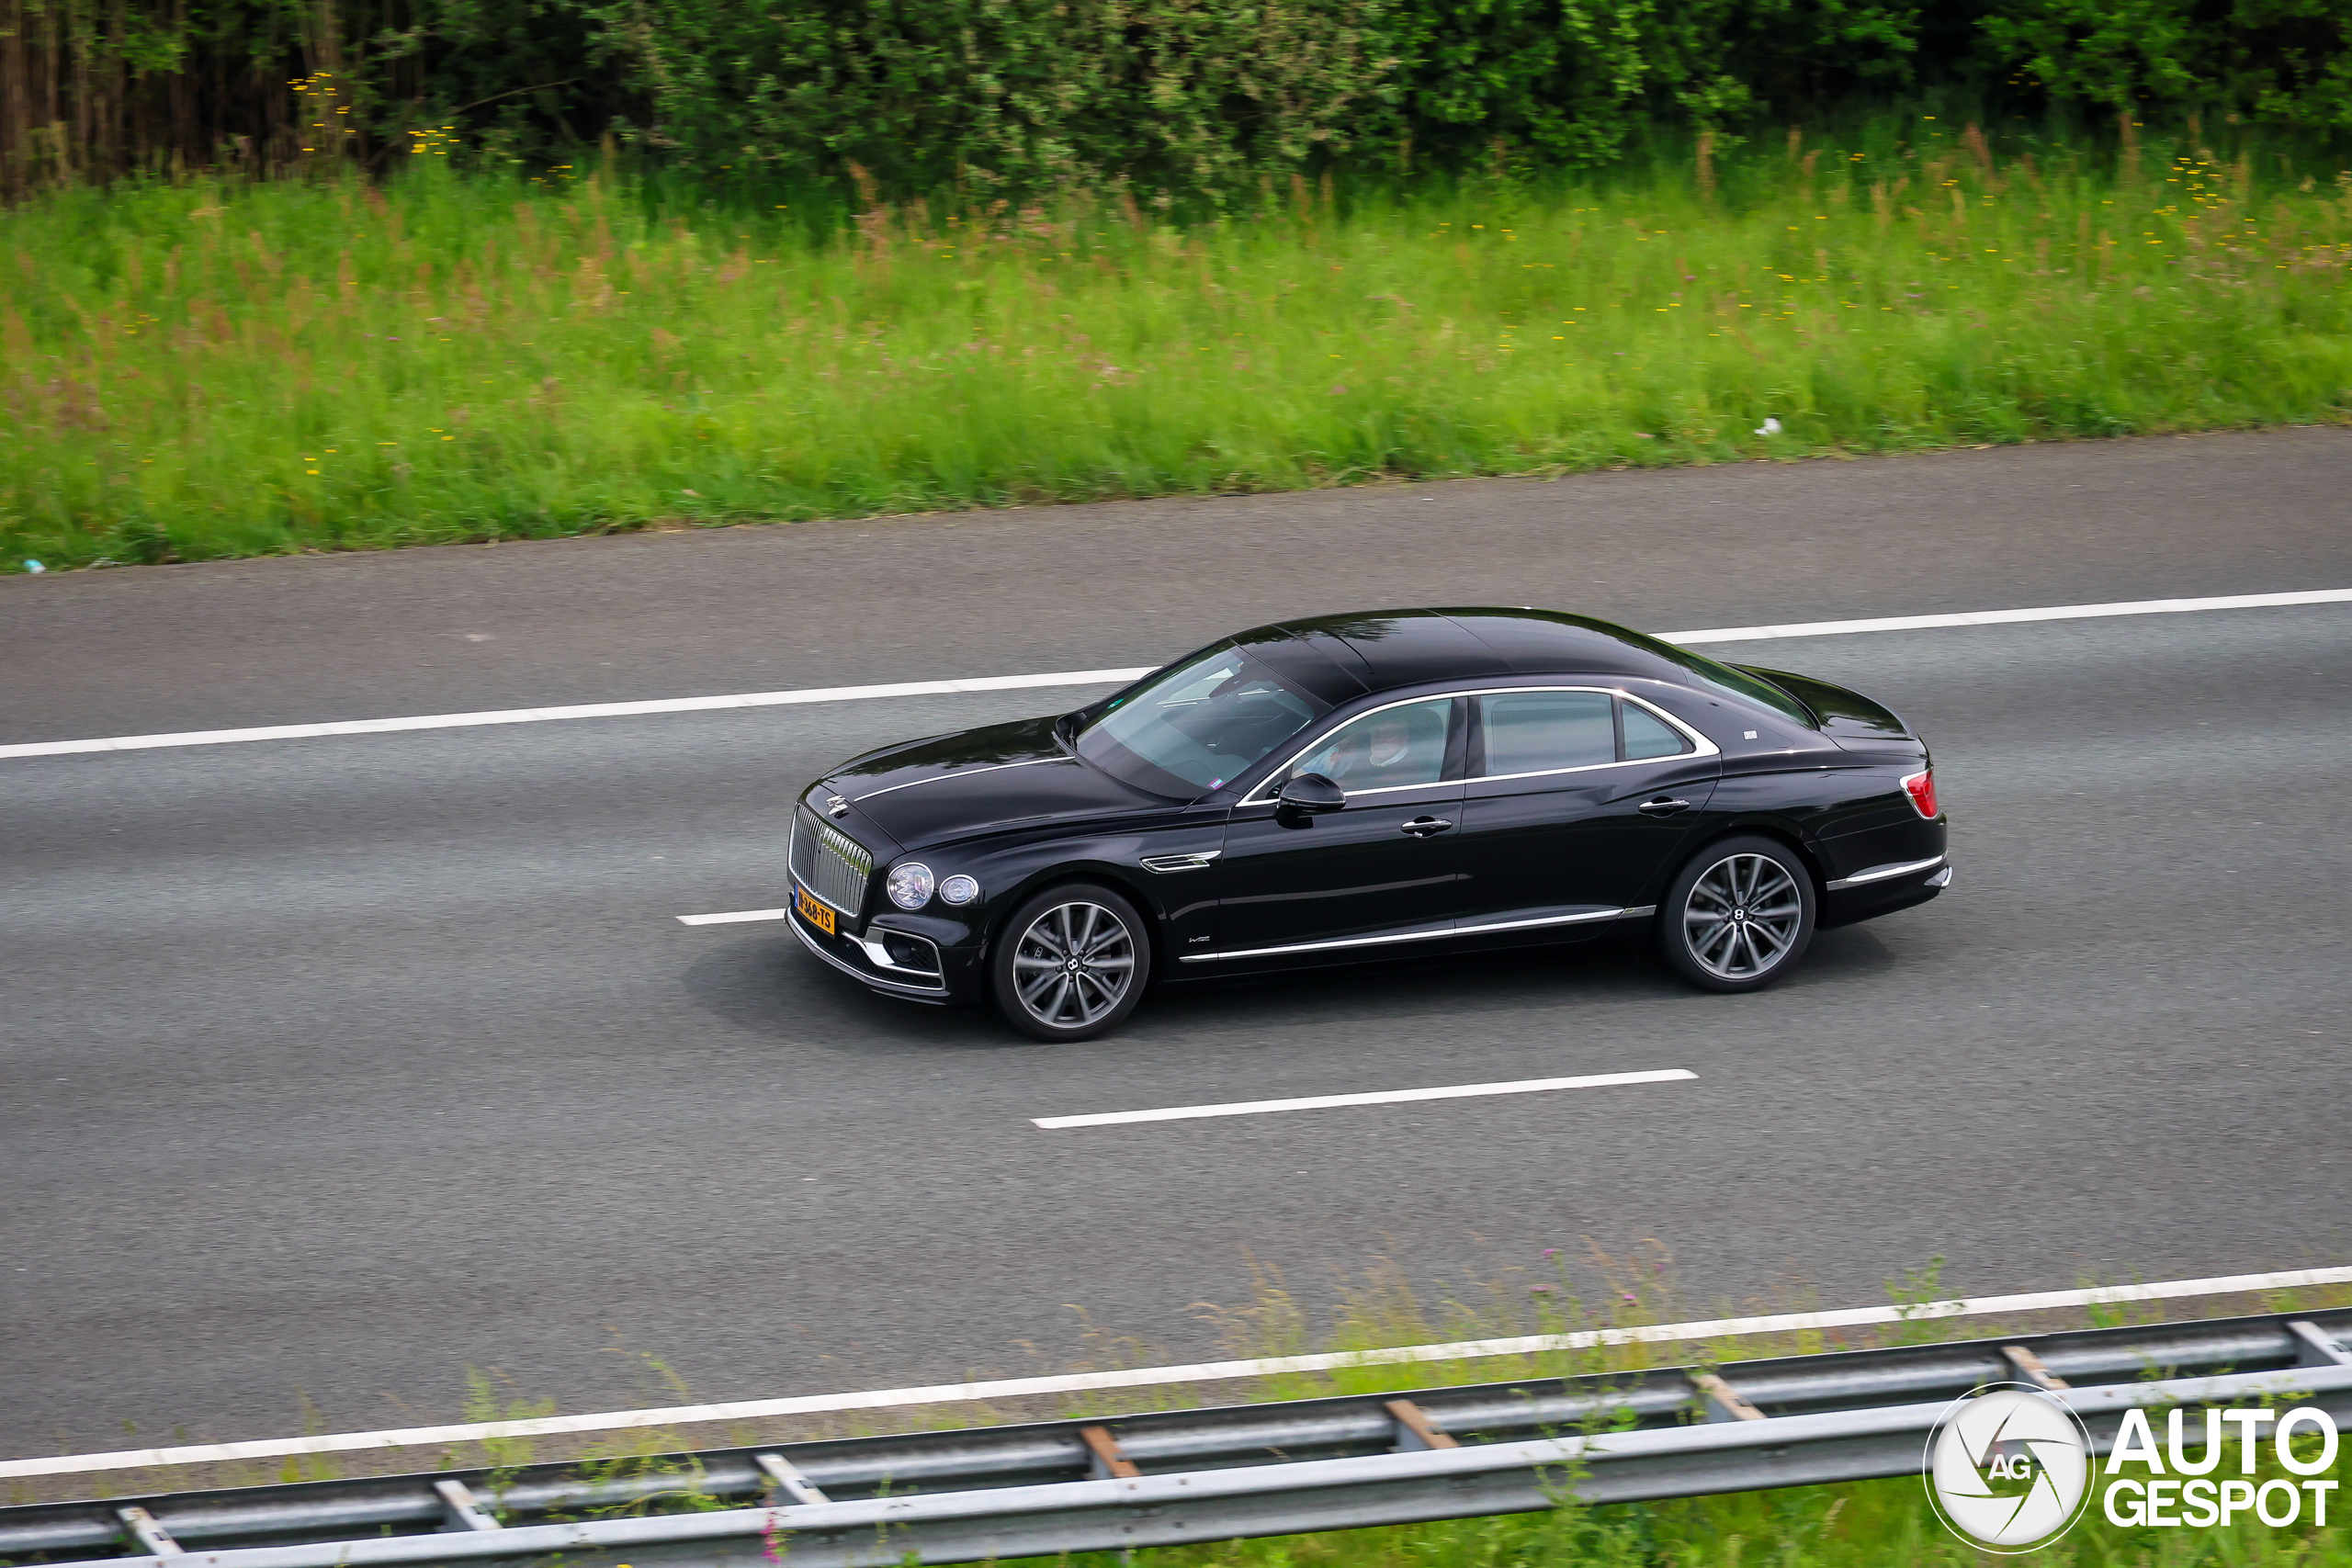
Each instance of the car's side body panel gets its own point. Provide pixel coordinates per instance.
(1230, 883)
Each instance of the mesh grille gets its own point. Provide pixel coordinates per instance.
(830, 863)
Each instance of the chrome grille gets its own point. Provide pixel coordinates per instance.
(830, 863)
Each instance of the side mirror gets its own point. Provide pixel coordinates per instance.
(1313, 795)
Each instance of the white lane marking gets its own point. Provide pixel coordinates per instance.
(733, 916)
(583, 710)
(1377, 1097)
(1155, 1377)
(1104, 677)
(2014, 617)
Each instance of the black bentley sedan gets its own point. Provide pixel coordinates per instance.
(1347, 787)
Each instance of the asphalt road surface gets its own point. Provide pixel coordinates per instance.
(342, 1065)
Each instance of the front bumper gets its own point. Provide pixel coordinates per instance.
(894, 963)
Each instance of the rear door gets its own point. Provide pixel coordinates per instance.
(1577, 800)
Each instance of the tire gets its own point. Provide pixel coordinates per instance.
(1739, 916)
(1071, 964)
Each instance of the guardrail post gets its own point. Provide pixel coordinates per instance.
(1415, 1431)
(2316, 1347)
(1107, 1460)
(150, 1534)
(788, 1478)
(460, 1513)
(2030, 1369)
(1724, 1402)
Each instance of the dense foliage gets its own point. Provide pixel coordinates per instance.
(1160, 98)
(215, 367)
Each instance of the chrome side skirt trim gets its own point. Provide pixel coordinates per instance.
(1639, 909)
(937, 994)
(1319, 946)
(1883, 872)
(1587, 918)
(1198, 861)
(1407, 936)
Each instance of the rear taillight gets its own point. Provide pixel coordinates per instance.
(1921, 788)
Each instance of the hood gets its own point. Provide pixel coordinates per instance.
(947, 788)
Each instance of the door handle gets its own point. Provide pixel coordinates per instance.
(1423, 827)
(1662, 806)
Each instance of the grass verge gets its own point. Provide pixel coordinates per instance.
(1866, 1524)
(199, 371)
(1381, 1307)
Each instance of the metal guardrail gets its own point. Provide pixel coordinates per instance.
(1204, 1474)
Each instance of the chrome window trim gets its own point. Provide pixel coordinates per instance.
(893, 988)
(963, 774)
(1254, 798)
(1451, 931)
(1885, 873)
(1700, 745)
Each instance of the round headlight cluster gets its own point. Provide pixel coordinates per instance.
(909, 885)
(959, 890)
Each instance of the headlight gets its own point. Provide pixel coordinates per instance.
(959, 890)
(910, 885)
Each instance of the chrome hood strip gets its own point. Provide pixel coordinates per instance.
(962, 774)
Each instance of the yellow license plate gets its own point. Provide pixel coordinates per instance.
(816, 914)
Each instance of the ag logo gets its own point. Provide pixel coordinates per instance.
(2008, 1468)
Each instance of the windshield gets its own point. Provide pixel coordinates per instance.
(1198, 726)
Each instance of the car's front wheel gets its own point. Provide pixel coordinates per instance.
(1740, 916)
(1073, 962)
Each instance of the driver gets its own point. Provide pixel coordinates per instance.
(1380, 753)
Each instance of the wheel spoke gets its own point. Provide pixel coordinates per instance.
(1767, 894)
(1066, 995)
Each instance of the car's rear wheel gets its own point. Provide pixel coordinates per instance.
(1072, 963)
(1740, 914)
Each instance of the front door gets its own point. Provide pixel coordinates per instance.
(1386, 865)
(1576, 802)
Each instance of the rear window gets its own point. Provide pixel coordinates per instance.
(1705, 673)
(1539, 732)
(1646, 735)
(1550, 732)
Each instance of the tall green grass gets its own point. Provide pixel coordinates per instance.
(202, 370)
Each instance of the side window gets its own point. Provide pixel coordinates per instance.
(1541, 732)
(1387, 750)
(1646, 735)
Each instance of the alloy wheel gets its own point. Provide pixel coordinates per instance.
(1743, 917)
(1073, 964)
